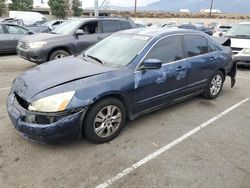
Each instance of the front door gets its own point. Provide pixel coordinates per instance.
(90, 36)
(161, 86)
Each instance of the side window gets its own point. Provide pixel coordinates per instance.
(167, 50)
(1, 29)
(12, 29)
(196, 45)
(90, 28)
(110, 26)
(126, 25)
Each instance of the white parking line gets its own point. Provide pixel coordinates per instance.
(168, 146)
(4, 88)
(243, 77)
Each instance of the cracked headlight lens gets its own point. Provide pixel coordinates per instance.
(53, 103)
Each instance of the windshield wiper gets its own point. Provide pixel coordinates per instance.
(96, 59)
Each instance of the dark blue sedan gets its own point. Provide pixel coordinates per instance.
(126, 75)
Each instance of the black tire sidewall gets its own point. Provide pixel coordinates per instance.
(88, 123)
(208, 93)
(54, 54)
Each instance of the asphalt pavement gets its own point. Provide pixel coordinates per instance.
(196, 143)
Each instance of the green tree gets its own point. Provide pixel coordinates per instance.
(59, 8)
(21, 5)
(77, 11)
(2, 7)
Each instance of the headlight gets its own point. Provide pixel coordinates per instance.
(54, 103)
(246, 51)
(37, 44)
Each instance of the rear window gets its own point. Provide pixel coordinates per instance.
(110, 26)
(196, 45)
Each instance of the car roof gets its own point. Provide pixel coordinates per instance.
(154, 32)
(97, 18)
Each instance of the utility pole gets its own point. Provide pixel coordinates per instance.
(135, 7)
(96, 8)
(211, 8)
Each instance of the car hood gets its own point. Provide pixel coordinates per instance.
(42, 37)
(240, 43)
(53, 74)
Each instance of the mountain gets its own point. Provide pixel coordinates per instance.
(227, 6)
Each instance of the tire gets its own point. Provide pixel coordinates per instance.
(58, 54)
(99, 125)
(214, 86)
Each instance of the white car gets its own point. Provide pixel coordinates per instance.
(240, 42)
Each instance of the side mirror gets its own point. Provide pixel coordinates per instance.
(79, 32)
(221, 34)
(30, 33)
(151, 64)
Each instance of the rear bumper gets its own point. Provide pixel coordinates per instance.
(36, 56)
(68, 126)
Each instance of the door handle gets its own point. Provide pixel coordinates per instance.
(180, 68)
(13, 37)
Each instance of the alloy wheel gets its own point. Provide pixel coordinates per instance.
(216, 85)
(107, 121)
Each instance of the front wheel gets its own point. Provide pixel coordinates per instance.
(104, 120)
(58, 55)
(214, 86)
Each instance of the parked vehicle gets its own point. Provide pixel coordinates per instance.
(205, 30)
(220, 30)
(53, 24)
(28, 18)
(36, 27)
(9, 36)
(69, 38)
(240, 42)
(187, 26)
(124, 76)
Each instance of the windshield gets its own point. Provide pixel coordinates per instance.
(67, 27)
(118, 49)
(239, 31)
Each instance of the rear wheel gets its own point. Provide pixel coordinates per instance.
(214, 86)
(58, 54)
(104, 120)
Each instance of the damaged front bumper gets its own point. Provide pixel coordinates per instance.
(45, 127)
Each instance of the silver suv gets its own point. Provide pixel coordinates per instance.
(69, 38)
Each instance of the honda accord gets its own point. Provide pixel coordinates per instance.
(124, 76)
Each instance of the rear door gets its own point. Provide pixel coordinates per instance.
(15, 33)
(4, 40)
(108, 27)
(202, 60)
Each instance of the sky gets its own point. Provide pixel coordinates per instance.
(90, 3)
